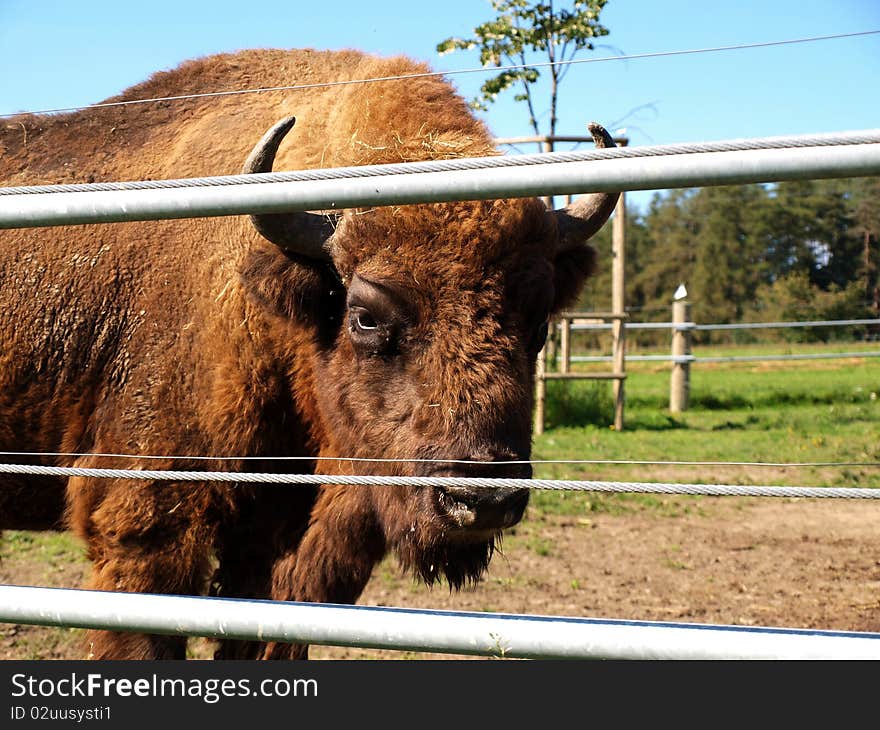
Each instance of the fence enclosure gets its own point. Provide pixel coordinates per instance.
(806, 157)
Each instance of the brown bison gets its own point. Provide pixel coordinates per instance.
(396, 332)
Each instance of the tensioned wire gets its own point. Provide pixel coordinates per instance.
(389, 460)
(857, 137)
(428, 481)
(481, 69)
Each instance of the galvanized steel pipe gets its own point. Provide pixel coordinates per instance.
(484, 634)
(636, 173)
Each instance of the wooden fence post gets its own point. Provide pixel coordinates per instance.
(618, 305)
(619, 367)
(540, 391)
(679, 382)
(565, 343)
(547, 146)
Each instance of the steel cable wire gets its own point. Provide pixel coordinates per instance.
(478, 482)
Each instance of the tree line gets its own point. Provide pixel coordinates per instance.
(804, 250)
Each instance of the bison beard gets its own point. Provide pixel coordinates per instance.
(394, 333)
(458, 563)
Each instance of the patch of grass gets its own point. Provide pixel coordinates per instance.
(676, 564)
(52, 548)
(578, 403)
(540, 546)
(544, 503)
(507, 582)
(389, 573)
(548, 502)
(35, 643)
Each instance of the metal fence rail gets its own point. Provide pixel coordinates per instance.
(605, 170)
(734, 326)
(484, 634)
(784, 325)
(730, 358)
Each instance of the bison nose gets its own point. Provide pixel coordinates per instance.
(484, 507)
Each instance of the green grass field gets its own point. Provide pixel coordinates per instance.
(783, 412)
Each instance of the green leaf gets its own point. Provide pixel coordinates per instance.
(524, 32)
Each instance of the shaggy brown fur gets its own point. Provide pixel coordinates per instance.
(197, 337)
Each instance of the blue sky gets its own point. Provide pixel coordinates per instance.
(57, 53)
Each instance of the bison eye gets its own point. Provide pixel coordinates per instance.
(539, 337)
(368, 334)
(361, 319)
(378, 316)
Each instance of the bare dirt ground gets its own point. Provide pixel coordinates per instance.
(760, 562)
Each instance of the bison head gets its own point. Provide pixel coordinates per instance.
(425, 332)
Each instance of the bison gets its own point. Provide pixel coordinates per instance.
(406, 333)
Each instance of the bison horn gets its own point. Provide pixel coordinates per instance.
(306, 234)
(581, 219)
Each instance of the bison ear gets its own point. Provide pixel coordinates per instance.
(572, 266)
(295, 291)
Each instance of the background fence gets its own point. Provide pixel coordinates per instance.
(681, 356)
